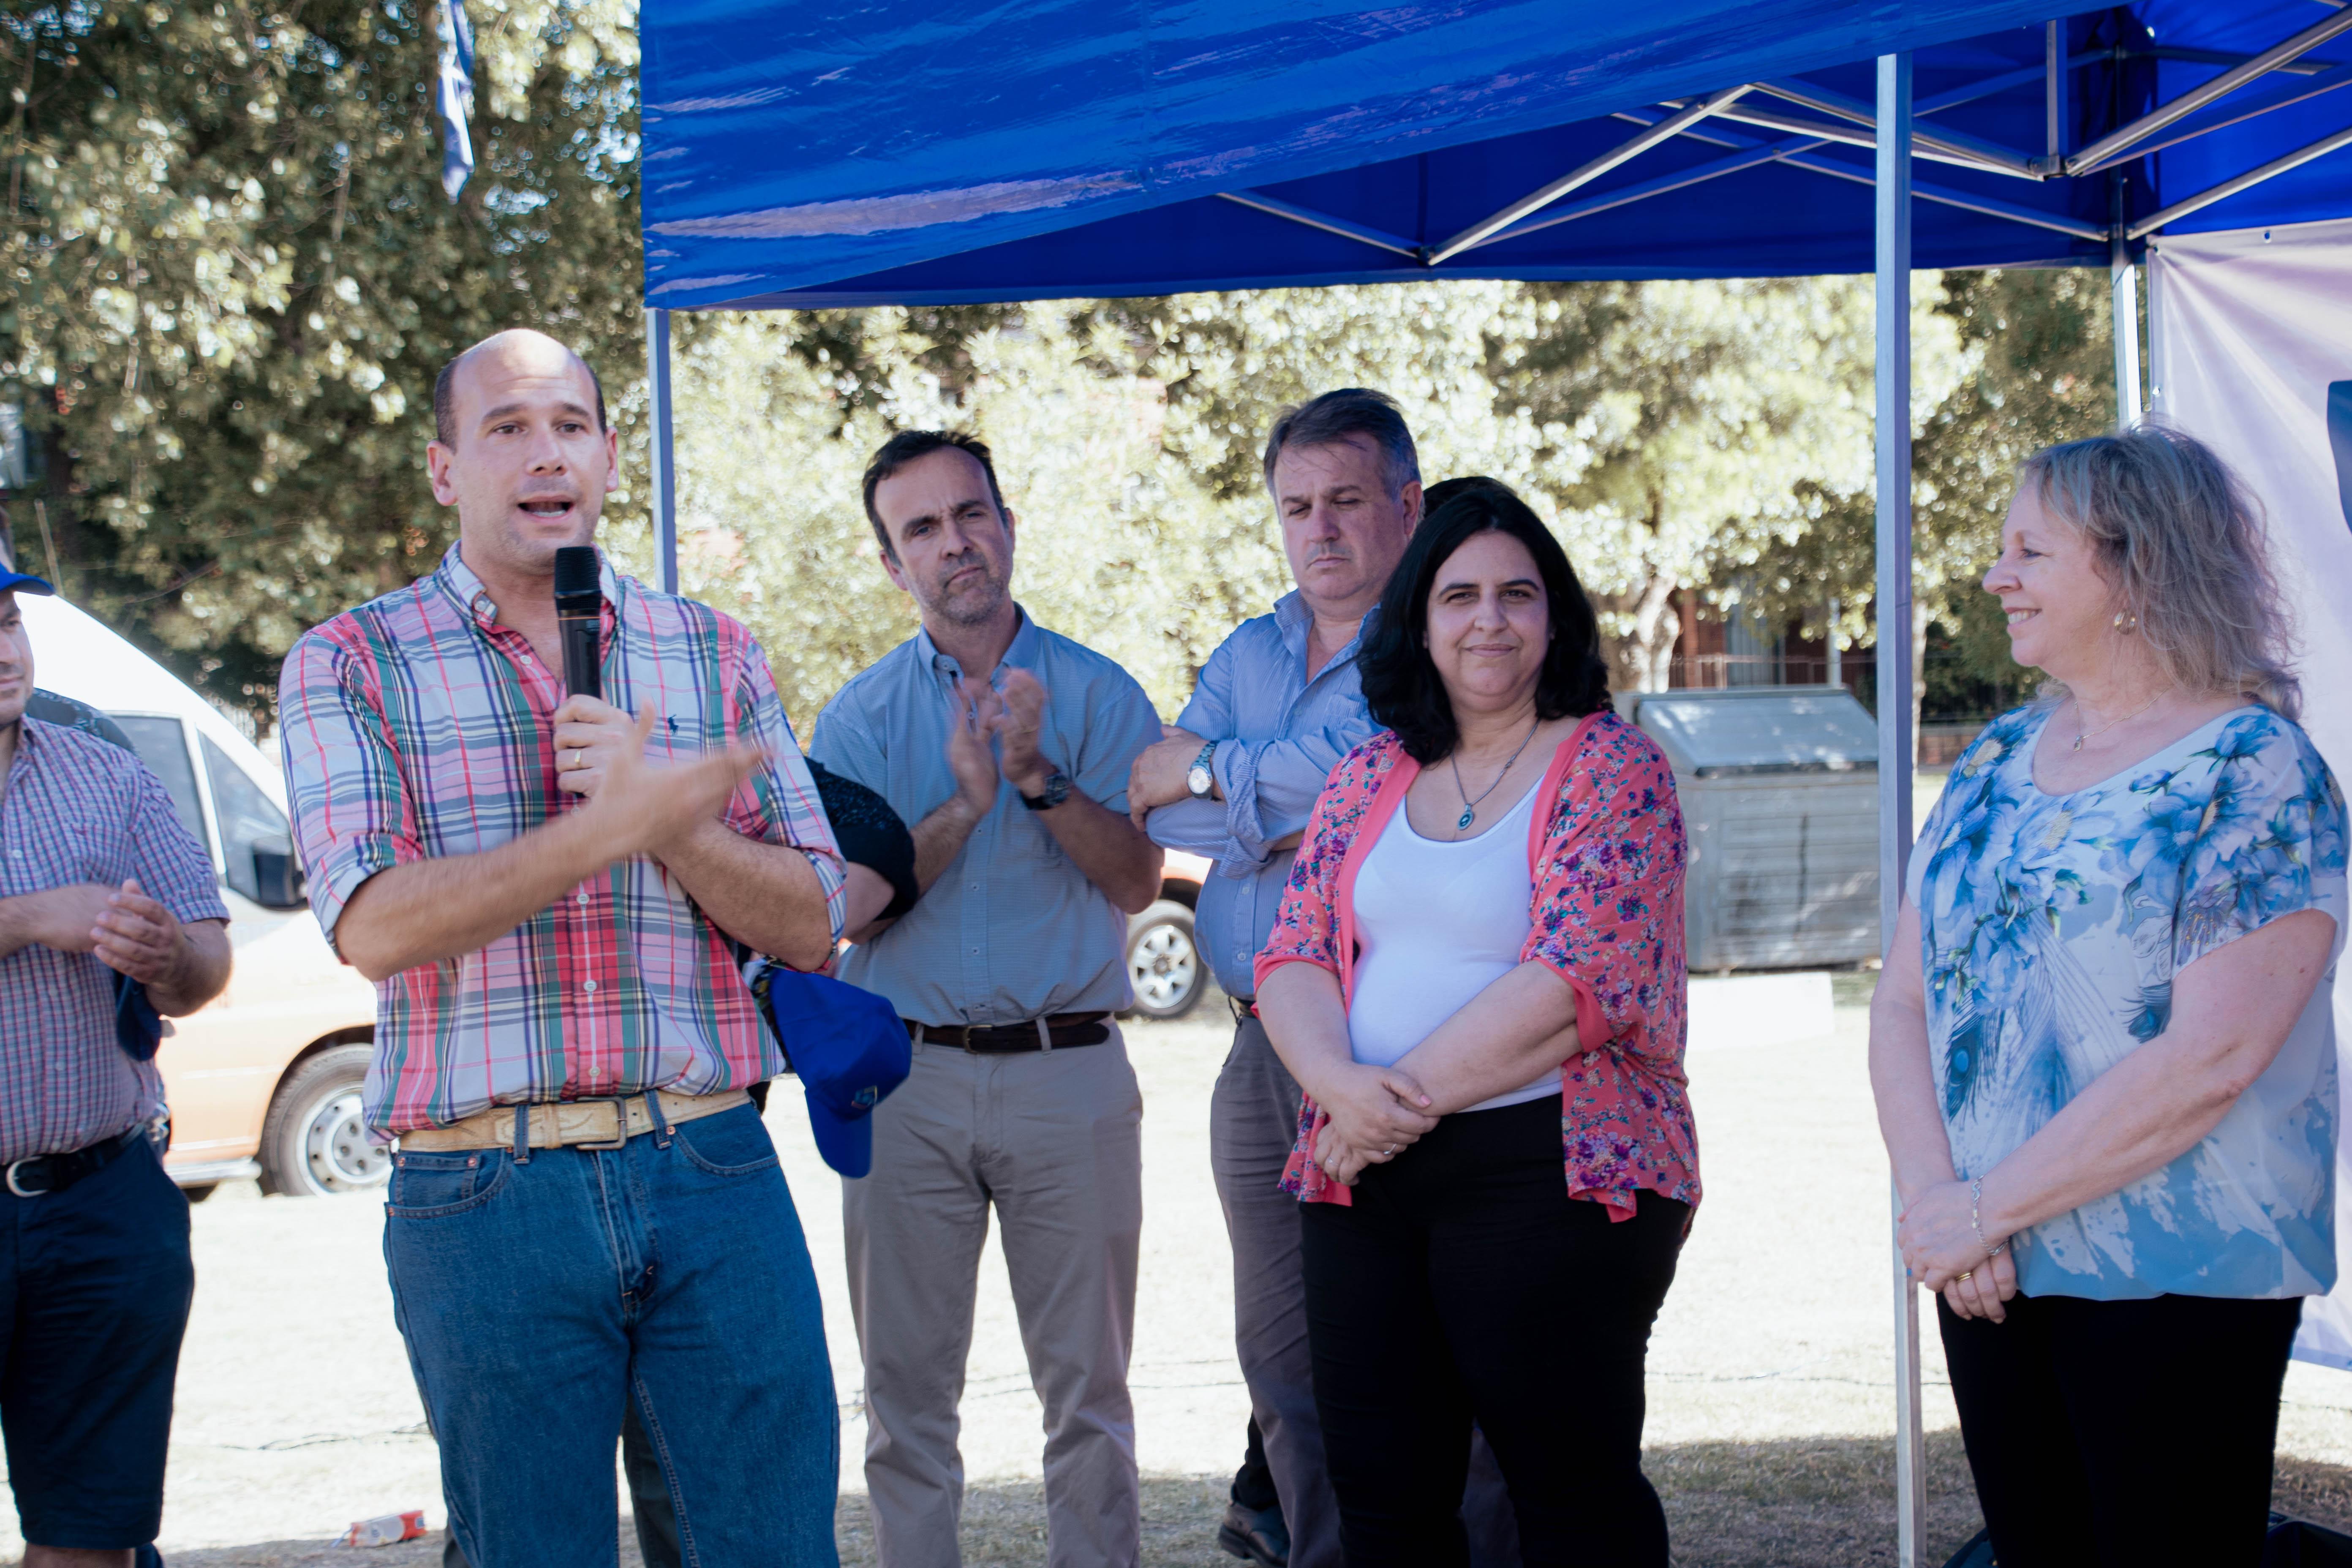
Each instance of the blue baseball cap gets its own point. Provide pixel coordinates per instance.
(849, 1049)
(22, 583)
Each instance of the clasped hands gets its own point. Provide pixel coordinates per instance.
(645, 806)
(984, 717)
(130, 933)
(1936, 1234)
(1373, 1115)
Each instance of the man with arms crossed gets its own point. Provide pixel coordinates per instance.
(99, 883)
(585, 1211)
(1277, 706)
(1008, 748)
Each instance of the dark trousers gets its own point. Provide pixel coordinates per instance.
(95, 1284)
(1464, 1284)
(2103, 1434)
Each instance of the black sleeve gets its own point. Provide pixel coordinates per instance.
(870, 835)
(67, 713)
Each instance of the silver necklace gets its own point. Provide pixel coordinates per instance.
(2082, 734)
(1469, 807)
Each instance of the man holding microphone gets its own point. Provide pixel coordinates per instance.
(585, 1211)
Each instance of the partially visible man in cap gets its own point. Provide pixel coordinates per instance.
(107, 904)
(1007, 746)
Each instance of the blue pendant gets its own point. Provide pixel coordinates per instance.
(1463, 821)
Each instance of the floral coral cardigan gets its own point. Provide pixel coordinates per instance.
(1606, 862)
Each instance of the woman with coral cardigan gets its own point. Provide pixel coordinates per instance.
(1477, 978)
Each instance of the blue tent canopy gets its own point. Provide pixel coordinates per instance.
(807, 153)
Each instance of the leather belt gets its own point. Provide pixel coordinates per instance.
(1050, 1034)
(1244, 1008)
(575, 1123)
(45, 1173)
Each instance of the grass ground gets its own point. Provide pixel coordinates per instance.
(1771, 1384)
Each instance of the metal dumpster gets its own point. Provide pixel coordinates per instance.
(1779, 794)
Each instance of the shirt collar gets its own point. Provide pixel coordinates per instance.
(1292, 620)
(466, 590)
(1021, 654)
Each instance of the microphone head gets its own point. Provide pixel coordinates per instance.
(578, 578)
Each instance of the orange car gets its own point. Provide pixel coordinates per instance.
(265, 1080)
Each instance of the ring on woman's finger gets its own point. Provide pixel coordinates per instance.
(1967, 1275)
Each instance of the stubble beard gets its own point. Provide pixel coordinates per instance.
(972, 607)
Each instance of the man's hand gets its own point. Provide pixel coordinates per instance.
(64, 918)
(647, 805)
(1157, 778)
(139, 937)
(971, 752)
(1025, 768)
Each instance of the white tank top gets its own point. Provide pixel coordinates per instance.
(1436, 924)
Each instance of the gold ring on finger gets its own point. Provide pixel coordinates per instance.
(1967, 1275)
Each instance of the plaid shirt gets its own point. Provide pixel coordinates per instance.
(418, 727)
(81, 810)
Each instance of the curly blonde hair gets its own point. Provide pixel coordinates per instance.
(2183, 543)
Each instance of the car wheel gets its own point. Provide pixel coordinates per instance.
(314, 1144)
(1163, 962)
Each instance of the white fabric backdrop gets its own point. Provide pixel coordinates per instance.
(2251, 331)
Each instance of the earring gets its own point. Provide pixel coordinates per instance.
(2126, 621)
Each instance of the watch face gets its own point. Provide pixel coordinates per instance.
(1198, 779)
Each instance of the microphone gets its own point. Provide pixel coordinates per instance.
(580, 617)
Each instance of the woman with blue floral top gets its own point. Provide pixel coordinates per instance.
(2102, 1047)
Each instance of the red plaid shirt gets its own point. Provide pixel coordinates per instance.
(418, 727)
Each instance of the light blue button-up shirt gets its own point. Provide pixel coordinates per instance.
(1013, 930)
(1279, 734)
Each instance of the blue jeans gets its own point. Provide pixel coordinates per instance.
(538, 1297)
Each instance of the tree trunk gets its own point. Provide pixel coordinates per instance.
(1656, 627)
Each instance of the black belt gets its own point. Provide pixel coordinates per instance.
(1005, 1039)
(1244, 1008)
(45, 1173)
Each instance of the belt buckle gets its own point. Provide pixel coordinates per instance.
(17, 1165)
(620, 1104)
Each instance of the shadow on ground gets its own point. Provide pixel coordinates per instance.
(1826, 1502)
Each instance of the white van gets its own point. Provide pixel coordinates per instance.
(265, 1081)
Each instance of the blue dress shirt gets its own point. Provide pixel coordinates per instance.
(1279, 735)
(1013, 930)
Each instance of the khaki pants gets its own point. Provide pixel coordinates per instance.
(1053, 1140)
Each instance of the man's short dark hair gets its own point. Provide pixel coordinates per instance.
(907, 447)
(1350, 411)
(1402, 687)
(445, 397)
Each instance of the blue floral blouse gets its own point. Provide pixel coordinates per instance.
(2051, 927)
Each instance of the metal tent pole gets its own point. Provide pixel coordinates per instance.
(2123, 284)
(1894, 659)
(665, 473)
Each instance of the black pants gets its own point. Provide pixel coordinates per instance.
(1464, 1284)
(2107, 1434)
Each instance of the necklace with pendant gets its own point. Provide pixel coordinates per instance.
(1469, 807)
(2082, 735)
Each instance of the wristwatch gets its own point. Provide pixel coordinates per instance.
(1058, 790)
(1200, 778)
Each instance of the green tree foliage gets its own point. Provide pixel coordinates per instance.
(232, 274)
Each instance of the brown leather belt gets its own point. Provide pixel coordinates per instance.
(584, 1123)
(1005, 1039)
